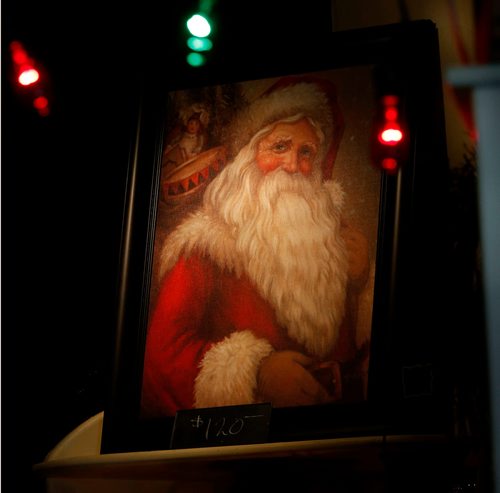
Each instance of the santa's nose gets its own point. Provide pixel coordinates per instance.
(291, 163)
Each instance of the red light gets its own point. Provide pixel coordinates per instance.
(389, 142)
(390, 136)
(29, 75)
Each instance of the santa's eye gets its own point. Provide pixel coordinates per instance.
(280, 146)
(307, 151)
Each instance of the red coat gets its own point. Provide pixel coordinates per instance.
(200, 306)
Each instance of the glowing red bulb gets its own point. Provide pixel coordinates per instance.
(390, 136)
(29, 75)
(389, 149)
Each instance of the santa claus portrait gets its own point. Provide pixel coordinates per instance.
(265, 249)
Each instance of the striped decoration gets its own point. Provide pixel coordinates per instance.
(184, 186)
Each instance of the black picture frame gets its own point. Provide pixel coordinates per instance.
(408, 388)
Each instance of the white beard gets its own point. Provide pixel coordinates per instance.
(287, 234)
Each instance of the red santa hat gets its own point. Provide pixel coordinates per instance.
(309, 96)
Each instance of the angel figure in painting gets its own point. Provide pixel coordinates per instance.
(261, 286)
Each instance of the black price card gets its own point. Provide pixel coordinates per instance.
(219, 426)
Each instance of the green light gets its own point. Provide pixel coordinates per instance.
(199, 44)
(199, 26)
(196, 59)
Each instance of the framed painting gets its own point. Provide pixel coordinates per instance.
(269, 254)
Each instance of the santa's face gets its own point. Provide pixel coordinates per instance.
(291, 147)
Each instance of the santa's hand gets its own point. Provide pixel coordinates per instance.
(284, 381)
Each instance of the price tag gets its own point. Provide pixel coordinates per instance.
(219, 426)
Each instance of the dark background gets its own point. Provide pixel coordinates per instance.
(63, 178)
(63, 186)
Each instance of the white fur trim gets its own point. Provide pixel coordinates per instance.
(205, 234)
(337, 194)
(303, 98)
(228, 374)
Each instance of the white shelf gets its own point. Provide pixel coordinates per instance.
(76, 465)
